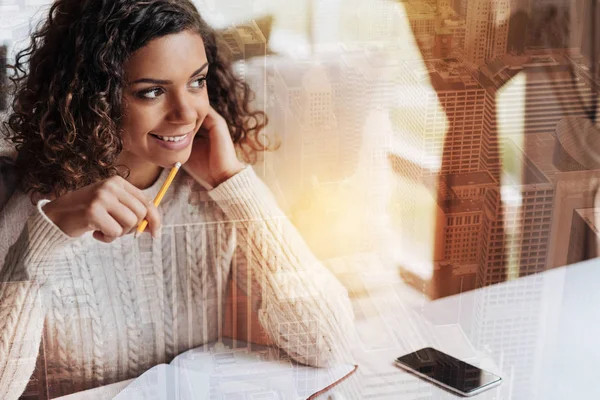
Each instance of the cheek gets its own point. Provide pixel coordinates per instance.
(138, 122)
(203, 105)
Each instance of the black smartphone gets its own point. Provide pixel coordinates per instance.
(448, 372)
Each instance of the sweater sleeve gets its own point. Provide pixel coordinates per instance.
(21, 310)
(303, 308)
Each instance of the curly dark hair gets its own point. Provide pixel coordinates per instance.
(67, 105)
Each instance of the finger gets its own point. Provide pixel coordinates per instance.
(126, 218)
(151, 212)
(107, 226)
(211, 119)
(220, 143)
(214, 123)
(133, 203)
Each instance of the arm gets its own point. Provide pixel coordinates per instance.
(302, 306)
(21, 311)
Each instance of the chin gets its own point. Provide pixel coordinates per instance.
(169, 162)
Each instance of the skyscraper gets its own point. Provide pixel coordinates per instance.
(584, 229)
(245, 41)
(487, 30)
(448, 124)
(551, 89)
(516, 230)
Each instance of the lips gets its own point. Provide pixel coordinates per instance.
(174, 138)
(173, 142)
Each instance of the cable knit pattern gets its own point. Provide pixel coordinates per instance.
(111, 311)
(20, 327)
(124, 274)
(168, 296)
(91, 285)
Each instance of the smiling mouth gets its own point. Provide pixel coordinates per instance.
(170, 138)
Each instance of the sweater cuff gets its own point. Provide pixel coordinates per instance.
(245, 197)
(43, 232)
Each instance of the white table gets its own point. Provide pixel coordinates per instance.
(540, 333)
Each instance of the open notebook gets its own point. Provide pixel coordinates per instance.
(221, 371)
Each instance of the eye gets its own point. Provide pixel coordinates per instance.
(199, 83)
(150, 94)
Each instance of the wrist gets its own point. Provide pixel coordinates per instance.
(226, 175)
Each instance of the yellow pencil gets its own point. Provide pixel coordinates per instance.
(159, 196)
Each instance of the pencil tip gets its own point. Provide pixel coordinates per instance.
(135, 235)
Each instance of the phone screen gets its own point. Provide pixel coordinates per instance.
(447, 370)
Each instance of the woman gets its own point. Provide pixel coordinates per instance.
(115, 94)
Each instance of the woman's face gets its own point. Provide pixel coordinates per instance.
(165, 100)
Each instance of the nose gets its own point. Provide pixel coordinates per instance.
(182, 109)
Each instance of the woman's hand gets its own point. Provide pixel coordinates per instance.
(111, 208)
(213, 159)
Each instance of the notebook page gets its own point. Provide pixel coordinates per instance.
(222, 372)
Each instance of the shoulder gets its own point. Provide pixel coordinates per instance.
(17, 208)
(13, 217)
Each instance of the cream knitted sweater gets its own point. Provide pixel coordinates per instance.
(108, 312)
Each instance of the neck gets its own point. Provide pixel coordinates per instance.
(142, 173)
(143, 180)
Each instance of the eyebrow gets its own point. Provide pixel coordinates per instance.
(163, 82)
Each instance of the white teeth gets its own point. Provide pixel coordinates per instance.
(171, 139)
